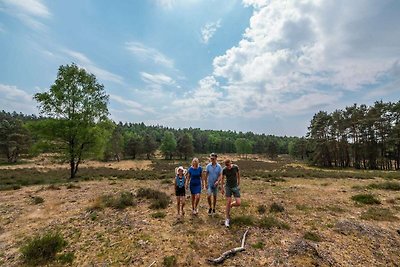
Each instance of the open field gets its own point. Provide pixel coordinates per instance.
(315, 220)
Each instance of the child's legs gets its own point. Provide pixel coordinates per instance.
(228, 207)
(236, 203)
(178, 202)
(215, 200)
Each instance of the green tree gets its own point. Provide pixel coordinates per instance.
(115, 145)
(76, 103)
(14, 137)
(185, 145)
(243, 146)
(149, 145)
(133, 144)
(168, 144)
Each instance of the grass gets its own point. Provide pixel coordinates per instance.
(243, 220)
(170, 261)
(158, 215)
(388, 185)
(276, 207)
(366, 199)
(43, 249)
(312, 236)
(378, 214)
(72, 186)
(159, 199)
(258, 245)
(270, 222)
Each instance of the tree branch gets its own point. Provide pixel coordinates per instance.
(229, 253)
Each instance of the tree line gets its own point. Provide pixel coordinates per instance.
(360, 136)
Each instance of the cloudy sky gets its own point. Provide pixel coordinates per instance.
(252, 65)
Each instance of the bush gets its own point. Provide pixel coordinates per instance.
(276, 207)
(170, 261)
(42, 249)
(271, 222)
(366, 199)
(262, 209)
(160, 200)
(312, 236)
(380, 214)
(123, 200)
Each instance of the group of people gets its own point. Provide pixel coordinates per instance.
(211, 179)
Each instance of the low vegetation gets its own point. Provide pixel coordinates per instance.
(312, 236)
(366, 199)
(388, 185)
(159, 199)
(378, 214)
(276, 207)
(270, 222)
(120, 201)
(43, 249)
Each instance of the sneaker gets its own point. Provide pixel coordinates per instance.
(214, 211)
(209, 211)
(227, 223)
(194, 212)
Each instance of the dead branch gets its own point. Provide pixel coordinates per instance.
(229, 253)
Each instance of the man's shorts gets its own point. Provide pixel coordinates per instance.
(229, 191)
(212, 190)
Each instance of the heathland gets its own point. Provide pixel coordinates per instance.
(124, 214)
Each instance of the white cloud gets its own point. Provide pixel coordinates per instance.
(300, 56)
(30, 12)
(208, 31)
(84, 62)
(149, 54)
(156, 79)
(14, 99)
(131, 106)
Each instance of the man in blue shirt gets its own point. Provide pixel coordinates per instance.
(213, 179)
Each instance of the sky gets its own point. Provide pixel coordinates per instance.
(253, 65)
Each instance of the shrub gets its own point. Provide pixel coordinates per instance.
(160, 200)
(158, 214)
(366, 199)
(170, 261)
(121, 201)
(42, 249)
(378, 214)
(53, 187)
(271, 222)
(312, 236)
(243, 220)
(262, 209)
(276, 207)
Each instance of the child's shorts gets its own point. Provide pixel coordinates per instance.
(180, 191)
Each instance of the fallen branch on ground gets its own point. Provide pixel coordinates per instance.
(229, 253)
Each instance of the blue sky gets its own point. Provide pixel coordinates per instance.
(250, 65)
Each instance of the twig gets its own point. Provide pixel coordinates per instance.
(152, 263)
(229, 253)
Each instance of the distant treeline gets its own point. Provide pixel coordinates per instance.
(20, 134)
(361, 136)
